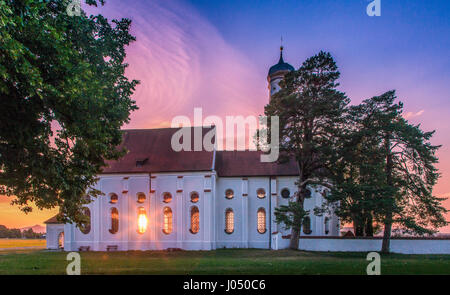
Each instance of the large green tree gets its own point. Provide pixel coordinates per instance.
(390, 172)
(63, 99)
(310, 111)
(358, 175)
(409, 169)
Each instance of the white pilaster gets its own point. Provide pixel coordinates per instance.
(213, 212)
(96, 216)
(153, 226)
(274, 203)
(179, 212)
(245, 212)
(125, 219)
(206, 216)
(68, 237)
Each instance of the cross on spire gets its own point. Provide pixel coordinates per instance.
(281, 51)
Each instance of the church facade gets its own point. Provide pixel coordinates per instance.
(156, 198)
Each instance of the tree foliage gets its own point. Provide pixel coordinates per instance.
(358, 175)
(64, 97)
(386, 171)
(379, 168)
(409, 169)
(9, 233)
(310, 111)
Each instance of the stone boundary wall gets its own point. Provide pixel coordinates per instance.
(404, 245)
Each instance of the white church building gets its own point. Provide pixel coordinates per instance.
(156, 198)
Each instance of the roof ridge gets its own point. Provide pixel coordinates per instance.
(166, 128)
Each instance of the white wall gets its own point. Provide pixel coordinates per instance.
(212, 206)
(235, 239)
(52, 235)
(127, 187)
(403, 246)
(245, 205)
(316, 200)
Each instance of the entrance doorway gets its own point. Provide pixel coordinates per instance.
(61, 240)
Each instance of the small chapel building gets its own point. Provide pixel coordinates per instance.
(156, 198)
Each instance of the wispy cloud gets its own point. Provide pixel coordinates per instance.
(183, 62)
(409, 115)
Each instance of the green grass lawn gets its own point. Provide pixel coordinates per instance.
(227, 261)
(19, 243)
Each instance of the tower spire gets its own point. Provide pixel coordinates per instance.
(281, 51)
(277, 72)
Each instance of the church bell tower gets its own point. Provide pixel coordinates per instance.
(277, 73)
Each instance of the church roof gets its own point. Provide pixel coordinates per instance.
(248, 163)
(281, 65)
(53, 220)
(150, 151)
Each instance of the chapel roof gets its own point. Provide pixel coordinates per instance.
(151, 148)
(248, 163)
(53, 220)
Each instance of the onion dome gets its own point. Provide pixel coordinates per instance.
(281, 66)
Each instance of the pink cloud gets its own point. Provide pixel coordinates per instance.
(183, 62)
(409, 115)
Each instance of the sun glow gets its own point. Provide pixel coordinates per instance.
(142, 221)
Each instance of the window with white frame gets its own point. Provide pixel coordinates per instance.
(229, 221)
(261, 219)
(114, 221)
(167, 220)
(195, 220)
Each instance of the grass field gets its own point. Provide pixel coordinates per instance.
(20, 243)
(227, 261)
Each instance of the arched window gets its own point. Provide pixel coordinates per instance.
(114, 221)
(61, 240)
(261, 193)
(327, 225)
(261, 219)
(167, 222)
(167, 197)
(229, 221)
(86, 227)
(307, 225)
(229, 194)
(113, 198)
(194, 197)
(142, 220)
(141, 198)
(285, 193)
(195, 220)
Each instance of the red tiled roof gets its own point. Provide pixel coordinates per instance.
(53, 220)
(155, 146)
(248, 163)
(152, 147)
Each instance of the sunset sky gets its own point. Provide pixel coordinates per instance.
(216, 55)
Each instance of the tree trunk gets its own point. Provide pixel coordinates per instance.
(369, 226)
(295, 232)
(295, 235)
(358, 229)
(385, 247)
